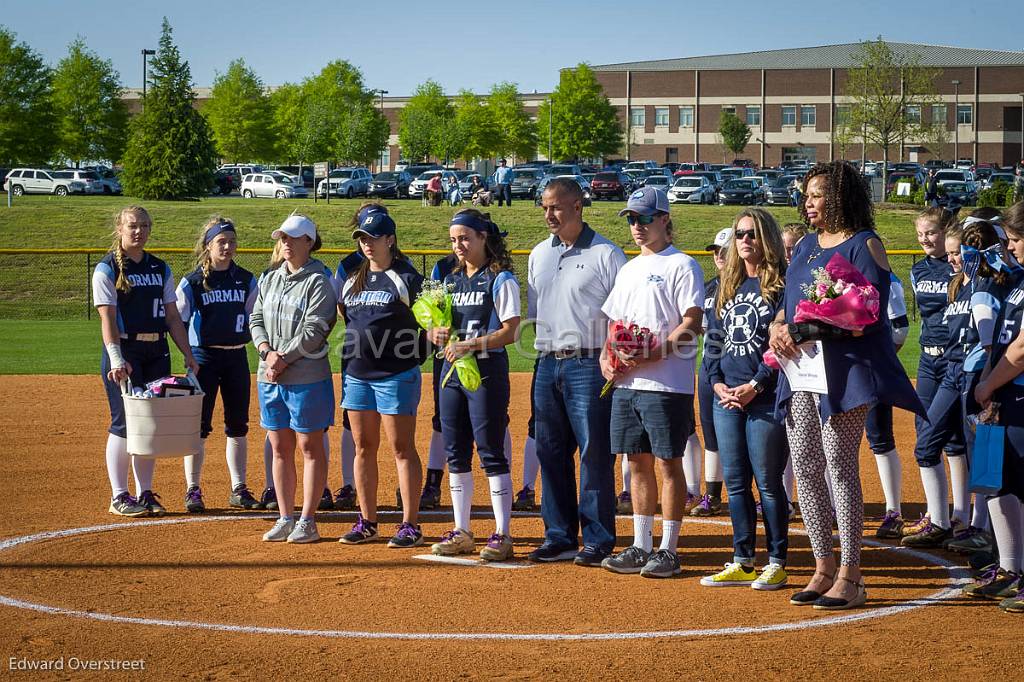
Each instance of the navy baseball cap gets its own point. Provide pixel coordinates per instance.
(375, 224)
(646, 201)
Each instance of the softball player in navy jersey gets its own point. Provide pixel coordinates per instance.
(132, 291)
(485, 316)
(214, 301)
(1003, 383)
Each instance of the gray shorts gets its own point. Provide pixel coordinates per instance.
(651, 421)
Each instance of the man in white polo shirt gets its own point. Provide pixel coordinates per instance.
(570, 275)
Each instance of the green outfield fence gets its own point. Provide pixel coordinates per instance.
(55, 284)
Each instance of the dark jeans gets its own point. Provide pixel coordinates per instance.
(570, 415)
(752, 446)
(504, 193)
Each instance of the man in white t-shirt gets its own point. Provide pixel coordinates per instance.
(652, 406)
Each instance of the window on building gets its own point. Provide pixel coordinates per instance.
(385, 158)
(939, 114)
(842, 114)
(914, 113)
(729, 109)
(964, 114)
(661, 116)
(686, 116)
(753, 115)
(637, 117)
(808, 116)
(788, 115)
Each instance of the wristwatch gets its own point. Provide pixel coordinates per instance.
(264, 353)
(758, 386)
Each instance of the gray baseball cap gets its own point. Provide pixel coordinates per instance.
(646, 201)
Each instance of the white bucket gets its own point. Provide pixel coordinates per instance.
(163, 427)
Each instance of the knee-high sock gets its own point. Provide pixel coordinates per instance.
(194, 465)
(712, 467)
(936, 492)
(531, 465)
(890, 472)
(959, 478)
(626, 477)
(436, 456)
(980, 516)
(268, 463)
(789, 480)
(143, 467)
(1007, 514)
(692, 464)
(117, 464)
(501, 501)
(237, 454)
(348, 458)
(461, 488)
(508, 447)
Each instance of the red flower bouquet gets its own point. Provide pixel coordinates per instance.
(630, 340)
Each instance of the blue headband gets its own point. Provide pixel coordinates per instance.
(479, 224)
(222, 226)
(972, 259)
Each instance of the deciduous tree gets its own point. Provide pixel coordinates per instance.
(240, 115)
(734, 132)
(517, 133)
(583, 120)
(27, 120)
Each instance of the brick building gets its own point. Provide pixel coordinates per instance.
(790, 99)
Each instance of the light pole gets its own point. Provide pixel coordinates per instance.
(145, 53)
(551, 104)
(956, 121)
(1022, 126)
(380, 167)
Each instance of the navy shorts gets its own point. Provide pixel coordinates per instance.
(225, 371)
(651, 421)
(150, 360)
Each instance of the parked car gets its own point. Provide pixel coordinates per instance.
(563, 169)
(691, 189)
(953, 195)
(466, 183)
(640, 165)
(714, 177)
(611, 185)
(671, 167)
(692, 167)
(779, 193)
(525, 181)
(390, 185)
(416, 170)
(224, 182)
(741, 191)
(936, 164)
(237, 170)
(954, 175)
(916, 179)
(964, 163)
(304, 172)
(345, 182)
(111, 183)
(580, 180)
(662, 182)
(419, 185)
(38, 181)
(402, 165)
(274, 185)
(730, 172)
(1000, 176)
(744, 163)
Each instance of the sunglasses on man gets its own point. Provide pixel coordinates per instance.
(635, 219)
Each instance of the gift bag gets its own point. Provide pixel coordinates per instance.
(987, 459)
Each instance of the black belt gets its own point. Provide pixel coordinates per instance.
(567, 353)
(149, 337)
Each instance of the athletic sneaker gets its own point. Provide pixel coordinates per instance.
(734, 574)
(995, 584)
(630, 560)
(241, 498)
(663, 563)
(590, 556)
(772, 578)
(304, 532)
(891, 527)
(1014, 604)
(917, 526)
(970, 540)
(691, 502)
(498, 548)
(268, 500)
(408, 535)
(126, 505)
(526, 500)
(931, 536)
(708, 506)
(194, 500)
(455, 541)
(363, 531)
(430, 498)
(759, 510)
(549, 553)
(281, 530)
(345, 498)
(150, 500)
(326, 500)
(624, 503)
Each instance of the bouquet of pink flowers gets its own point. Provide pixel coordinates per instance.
(629, 340)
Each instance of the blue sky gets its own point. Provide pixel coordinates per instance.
(472, 44)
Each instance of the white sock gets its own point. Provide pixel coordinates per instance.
(789, 480)
(117, 464)
(670, 534)
(237, 454)
(194, 465)
(712, 467)
(508, 445)
(501, 502)
(1007, 514)
(531, 465)
(890, 473)
(348, 458)
(268, 463)
(143, 467)
(643, 532)
(626, 477)
(936, 493)
(327, 458)
(461, 487)
(980, 517)
(959, 478)
(436, 457)
(692, 464)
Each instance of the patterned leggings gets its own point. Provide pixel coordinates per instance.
(835, 444)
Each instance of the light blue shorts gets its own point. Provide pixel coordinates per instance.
(299, 407)
(398, 394)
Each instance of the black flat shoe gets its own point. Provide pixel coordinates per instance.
(835, 604)
(808, 597)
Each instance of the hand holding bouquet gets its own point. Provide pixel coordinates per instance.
(433, 310)
(626, 342)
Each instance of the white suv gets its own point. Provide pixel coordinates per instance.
(419, 185)
(31, 181)
(272, 184)
(346, 182)
(92, 180)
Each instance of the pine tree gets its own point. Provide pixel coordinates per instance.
(170, 152)
(27, 121)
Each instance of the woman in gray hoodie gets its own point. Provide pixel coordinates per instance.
(295, 310)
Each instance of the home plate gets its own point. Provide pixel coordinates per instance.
(470, 562)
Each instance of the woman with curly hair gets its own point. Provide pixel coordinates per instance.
(825, 429)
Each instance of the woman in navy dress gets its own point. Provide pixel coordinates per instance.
(825, 430)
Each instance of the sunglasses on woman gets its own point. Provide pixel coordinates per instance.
(743, 234)
(634, 219)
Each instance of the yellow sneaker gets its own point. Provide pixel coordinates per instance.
(733, 575)
(456, 541)
(772, 578)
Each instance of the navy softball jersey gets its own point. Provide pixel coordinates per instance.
(1010, 396)
(957, 320)
(217, 311)
(986, 303)
(382, 338)
(141, 309)
(481, 303)
(930, 281)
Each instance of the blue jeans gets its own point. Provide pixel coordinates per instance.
(752, 445)
(570, 415)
